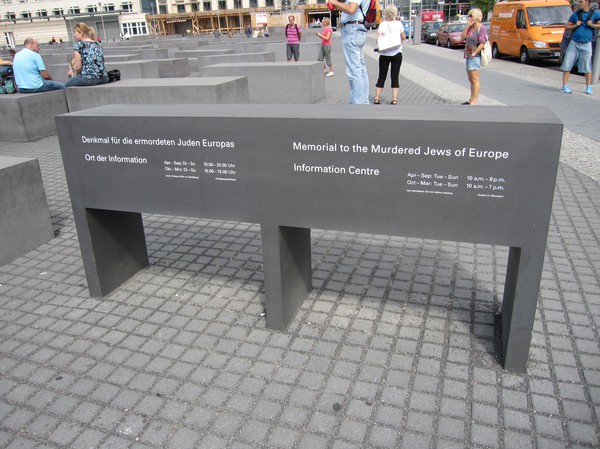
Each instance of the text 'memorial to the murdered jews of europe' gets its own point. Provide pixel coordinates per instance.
(481, 175)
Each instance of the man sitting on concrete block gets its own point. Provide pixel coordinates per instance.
(30, 71)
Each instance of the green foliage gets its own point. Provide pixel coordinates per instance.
(485, 6)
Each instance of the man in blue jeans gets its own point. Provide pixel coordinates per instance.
(30, 72)
(354, 36)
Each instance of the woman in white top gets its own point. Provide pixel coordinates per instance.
(391, 56)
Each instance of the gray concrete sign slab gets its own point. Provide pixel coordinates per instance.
(483, 175)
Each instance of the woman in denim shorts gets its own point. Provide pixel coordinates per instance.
(475, 37)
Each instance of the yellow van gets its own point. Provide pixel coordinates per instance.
(528, 29)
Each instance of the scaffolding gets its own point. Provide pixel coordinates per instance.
(205, 22)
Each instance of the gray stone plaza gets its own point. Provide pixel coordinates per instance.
(395, 347)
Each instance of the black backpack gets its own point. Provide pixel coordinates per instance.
(7, 81)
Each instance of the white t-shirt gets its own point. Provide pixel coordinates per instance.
(388, 27)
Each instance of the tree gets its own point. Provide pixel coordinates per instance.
(485, 6)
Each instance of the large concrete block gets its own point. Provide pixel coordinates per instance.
(123, 57)
(249, 46)
(309, 51)
(199, 53)
(58, 72)
(152, 68)
(25, 219)
(182, 44)
(27, 117)
(145, 53)
(138, 69)
(276, 82)
(173, 68)
(174, 46)
(135, 69)
(159, 91)
(130, 48)
(57, 58)
(265, 56)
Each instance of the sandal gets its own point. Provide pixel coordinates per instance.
(394, 102)
(376, 101)
(465, 103)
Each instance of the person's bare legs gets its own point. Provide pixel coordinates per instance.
(566, 77)
(378, 94)
(475, 86)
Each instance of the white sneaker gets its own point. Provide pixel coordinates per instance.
(325, 70)
(329, 74)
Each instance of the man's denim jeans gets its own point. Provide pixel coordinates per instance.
(354, 36)
(46, 86)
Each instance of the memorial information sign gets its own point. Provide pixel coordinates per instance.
(482, 175)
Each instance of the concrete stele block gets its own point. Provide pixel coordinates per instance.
(24, 219)
(276, 82)
(28, 117)
(160, 91)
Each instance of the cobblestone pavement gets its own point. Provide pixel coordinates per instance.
(394, 348)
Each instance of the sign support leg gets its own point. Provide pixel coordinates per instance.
(521, 290)
(287, 272)
(113, 247)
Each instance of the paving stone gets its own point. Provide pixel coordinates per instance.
(65, 433)
(18, 419)
(43, 425)
(89, 438)
(227, 424)
(294, 417)
(282, 437)
(22, 443)
(412, 440)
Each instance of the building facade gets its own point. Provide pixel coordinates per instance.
(48, 19)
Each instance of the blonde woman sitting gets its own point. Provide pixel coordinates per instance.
(87, 65)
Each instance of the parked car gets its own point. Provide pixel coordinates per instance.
(429, 30)
(449, 35)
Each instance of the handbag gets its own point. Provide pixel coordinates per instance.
(388, 40)
(486, 54)
(114, 75)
